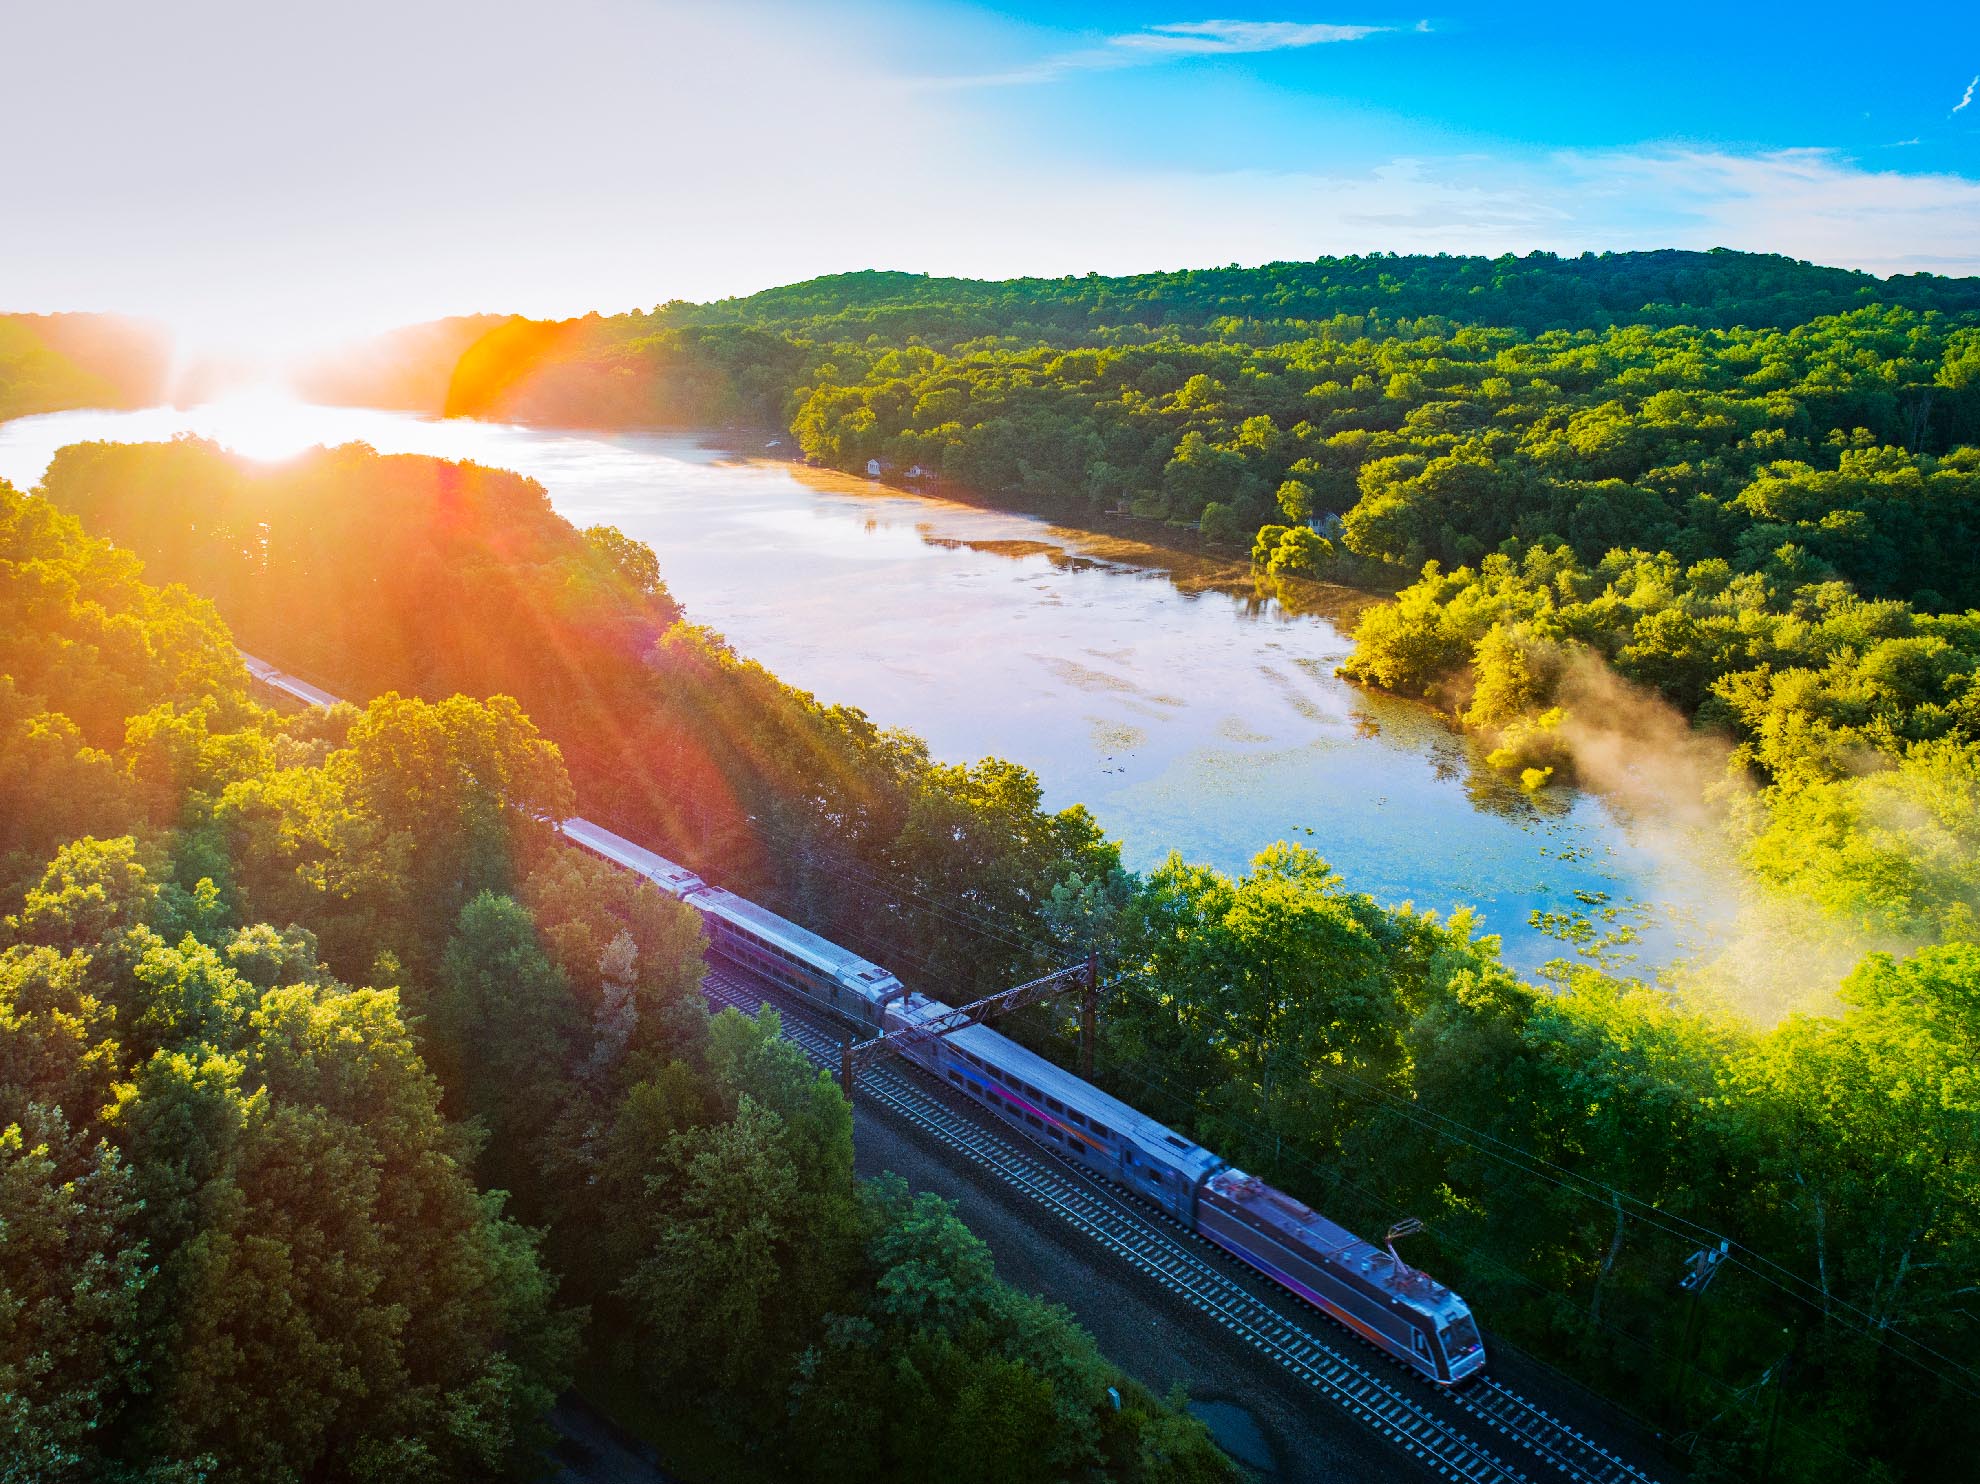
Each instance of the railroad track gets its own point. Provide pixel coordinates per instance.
(1160, 1248)
(1572, 1452)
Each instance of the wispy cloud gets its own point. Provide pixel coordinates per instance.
(1209, 38)
(1967, 96)
(1807, 203)
(1811, 203)
(1173, 41)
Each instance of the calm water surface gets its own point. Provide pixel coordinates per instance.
(1186, 712)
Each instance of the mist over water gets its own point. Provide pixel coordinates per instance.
(1184, 710)
(1750, 950)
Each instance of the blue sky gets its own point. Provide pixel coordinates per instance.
(258, 173)
(1524, 75)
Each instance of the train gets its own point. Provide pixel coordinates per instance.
(1362, 1285)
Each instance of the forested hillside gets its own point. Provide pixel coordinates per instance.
(1444, 405)
(345, 1116)
(1541, 291)
(49, 362)
(1570, 1143)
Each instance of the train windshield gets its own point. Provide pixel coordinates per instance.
(1460, 1338)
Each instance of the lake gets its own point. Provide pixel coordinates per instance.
(1160, 690)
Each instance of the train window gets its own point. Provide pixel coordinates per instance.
(1052, 1133)
(1034, 1120)
(1101, 1129)
(1460, 1337)
(1054, 1104)
(1127, 1156)
(956, 1077)
(1078, 1118)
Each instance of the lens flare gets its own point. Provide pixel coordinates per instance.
(265, 422)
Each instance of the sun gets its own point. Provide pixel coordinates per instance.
(265, 422)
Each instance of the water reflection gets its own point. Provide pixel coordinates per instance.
(1186, 705)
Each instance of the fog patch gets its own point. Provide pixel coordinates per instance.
(1748, 947)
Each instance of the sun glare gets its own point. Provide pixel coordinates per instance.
(264, 422)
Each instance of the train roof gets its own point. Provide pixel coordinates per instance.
(1075, 1092)
(302, 690)
(669, 875)
(1340, 1248)
(842, 962)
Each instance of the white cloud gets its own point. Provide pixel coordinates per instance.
(1967, 96)
(1174, 40)
(218, 175)
(1809, 203)
(1209, 38)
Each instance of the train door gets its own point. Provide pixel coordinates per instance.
(1146, 1177)
(1419, 1351)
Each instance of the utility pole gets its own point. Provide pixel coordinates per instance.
(1701, 1267)
(1778, 1375)
(1089, 1006)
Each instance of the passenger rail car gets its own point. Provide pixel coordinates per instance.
(754, 936)
(795, 957)
(671, 877)
(1052, 1107)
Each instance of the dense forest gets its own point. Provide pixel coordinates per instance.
(345, 1116)
(1718, 502)
(1570, 1143)
(1446, 405)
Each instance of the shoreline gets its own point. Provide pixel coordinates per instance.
(1186, 569)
